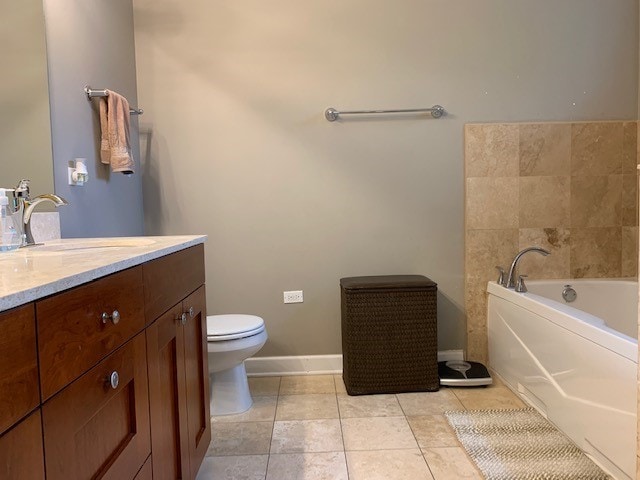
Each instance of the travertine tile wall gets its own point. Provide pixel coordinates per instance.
(568, 187)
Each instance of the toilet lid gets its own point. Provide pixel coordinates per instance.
(231, 326)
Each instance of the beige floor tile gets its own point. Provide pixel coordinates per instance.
(307, 466)
(296, 385)
(307, 406)
(433, 431)
(239, 467)
(377, 433)
(297, 436)
(369, 406)
(428, 403)
(262, 410)
(387, 465)
(242, 438)
(340, 388)
(264, 386)
(486, 398)
(450, 463)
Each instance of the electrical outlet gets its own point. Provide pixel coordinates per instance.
(294, 296)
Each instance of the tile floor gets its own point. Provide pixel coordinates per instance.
(308, 428)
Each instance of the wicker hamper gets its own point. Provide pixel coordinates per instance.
(389, 340)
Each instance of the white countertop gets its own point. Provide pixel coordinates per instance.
(28, 274)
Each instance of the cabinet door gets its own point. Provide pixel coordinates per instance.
(146, 472)
(21, 455)
(197, 376)
(98, 427)
(19, 393)
(167, 401)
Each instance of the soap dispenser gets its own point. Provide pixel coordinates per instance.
(9, 235)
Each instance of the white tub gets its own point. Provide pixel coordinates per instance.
(575, 362)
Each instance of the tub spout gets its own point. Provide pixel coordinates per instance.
(511, 279)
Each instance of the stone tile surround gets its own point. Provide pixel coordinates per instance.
(568, 187)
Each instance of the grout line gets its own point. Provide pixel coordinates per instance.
(272, 428)
(401, 408)
(459, 399)
(390, 449)
(344, 447)
(428, 466)
(418, 444)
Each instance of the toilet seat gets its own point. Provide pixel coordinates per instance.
(233, 326)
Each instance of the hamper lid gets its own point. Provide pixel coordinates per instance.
(387, 281)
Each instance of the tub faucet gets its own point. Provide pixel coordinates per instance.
(511, 279)
(24, 206)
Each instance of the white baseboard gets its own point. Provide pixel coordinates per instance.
(313, 364)
(294, 365)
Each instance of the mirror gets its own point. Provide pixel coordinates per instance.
(25, 129)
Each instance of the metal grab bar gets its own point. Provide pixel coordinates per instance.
(96, 92)
(331, 114)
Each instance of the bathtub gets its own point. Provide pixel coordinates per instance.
(574, 362)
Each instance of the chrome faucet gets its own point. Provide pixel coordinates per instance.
(24, 206)
(511, 282)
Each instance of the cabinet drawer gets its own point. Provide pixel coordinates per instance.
(19, 392)
(72, 333)
(21, 454)
(97, 428)
(167, 280)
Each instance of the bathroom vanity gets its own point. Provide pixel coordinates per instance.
(103, 360)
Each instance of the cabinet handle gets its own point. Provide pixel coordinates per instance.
(183, 319)
(114, 317)
(113, 379)
(192, 312)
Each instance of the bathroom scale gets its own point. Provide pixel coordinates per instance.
(460, 373)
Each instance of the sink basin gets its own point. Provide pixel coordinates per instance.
(90, 244)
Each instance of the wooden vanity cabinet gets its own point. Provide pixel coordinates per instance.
(168, 405)
(178, 365)
(98, 427)
(196, 361)
(81, 326)
(19, 392)
(169, 279)
(146, 472)
(21, 455)
(124, 397)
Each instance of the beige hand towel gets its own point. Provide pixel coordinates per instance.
(115, 147)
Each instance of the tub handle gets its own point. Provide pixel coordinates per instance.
(520, 286)
(500, 275)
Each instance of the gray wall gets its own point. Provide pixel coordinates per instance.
(235, 144)
(91, 42)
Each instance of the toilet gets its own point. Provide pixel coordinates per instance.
(231, 339)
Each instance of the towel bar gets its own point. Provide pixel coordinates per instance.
(331, 114)
(96, 92)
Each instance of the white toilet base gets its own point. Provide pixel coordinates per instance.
(230, 391)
